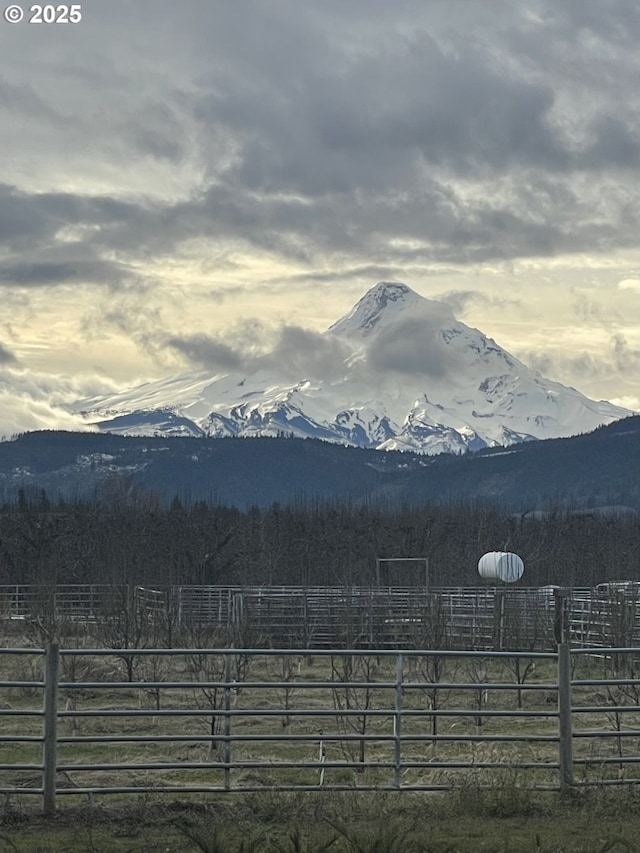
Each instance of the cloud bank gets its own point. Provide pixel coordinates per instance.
(173, 170)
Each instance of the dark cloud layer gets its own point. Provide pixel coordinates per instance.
(26, 216)
(298, 352)
(205, 351)
(42, 274)
(330, 130)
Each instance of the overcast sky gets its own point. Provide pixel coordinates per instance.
(208, 171)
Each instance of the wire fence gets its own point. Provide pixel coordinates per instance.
(85, 722)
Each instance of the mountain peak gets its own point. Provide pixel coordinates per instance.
(387, 298)
(388, 291)
(386, 303)
(409, 376)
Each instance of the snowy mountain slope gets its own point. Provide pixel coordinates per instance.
(404, 374)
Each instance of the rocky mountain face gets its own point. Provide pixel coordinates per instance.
(398, 372)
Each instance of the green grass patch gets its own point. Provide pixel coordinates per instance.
(596, 821)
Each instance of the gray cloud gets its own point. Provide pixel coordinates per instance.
(22, 99)
(155, 130)
(363, 272)
(36, 228)
(545, 218)
(413, 344)
(460, 300)
(304, 353)
(381, 114)
(612, 21)
(574, 369)
(627, 358)
(206, 351)
(590, 310)
(618, 359)
(338, 143)
(26, 216)
(367, 141)
(615, 144)
(451, 231)
(6, 356)
(43, 273)
(380, 117)
(32, 401)
(298, 352)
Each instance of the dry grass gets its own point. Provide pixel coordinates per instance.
(354, 822)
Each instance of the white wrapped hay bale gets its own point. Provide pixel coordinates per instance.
(501, 565)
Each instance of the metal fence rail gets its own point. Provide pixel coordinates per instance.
(211, 720)
(327, 617)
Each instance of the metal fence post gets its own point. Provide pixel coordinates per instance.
(498, 620)
(227, 723)
(564, 715)
(50, 726)
(397, 723)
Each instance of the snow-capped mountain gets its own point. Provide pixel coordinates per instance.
(398, 372)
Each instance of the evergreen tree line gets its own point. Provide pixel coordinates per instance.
(134, 538)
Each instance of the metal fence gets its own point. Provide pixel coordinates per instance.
(201, 721)
(326, 617)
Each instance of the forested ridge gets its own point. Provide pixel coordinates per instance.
(597, 469)
(133, 537)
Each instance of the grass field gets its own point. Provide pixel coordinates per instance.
(463, 821)
(335, 714)
(492, 804)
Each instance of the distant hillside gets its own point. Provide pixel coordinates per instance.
(594, 470)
